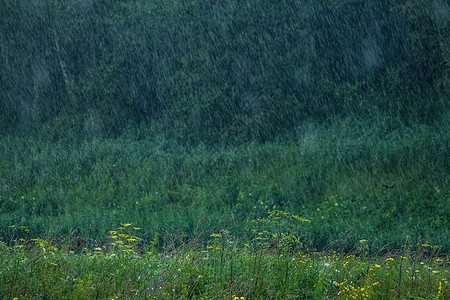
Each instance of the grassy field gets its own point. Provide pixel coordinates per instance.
(224, 149)
(268, 265)
(375, 194)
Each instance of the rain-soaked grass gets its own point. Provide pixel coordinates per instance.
(265, 149)
(271, 263)
(376, 194)
(353, 179)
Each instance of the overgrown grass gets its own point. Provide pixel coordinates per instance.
(368, 204)
(354, 179)
(270, 263)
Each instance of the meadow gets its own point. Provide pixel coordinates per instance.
(348, 209)
(224, 149)
(269, 265)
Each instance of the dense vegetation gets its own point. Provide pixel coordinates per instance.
(354, 180)
(192, 118)
(266, 265)
(212, 71)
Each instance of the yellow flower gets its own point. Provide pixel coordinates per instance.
(300, 218)
(375, 283)
(390, 258)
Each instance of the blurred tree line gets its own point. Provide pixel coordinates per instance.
(205, 70)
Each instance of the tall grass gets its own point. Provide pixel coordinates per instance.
(354, 179)
(270, 263)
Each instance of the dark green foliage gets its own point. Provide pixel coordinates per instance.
(206, 71)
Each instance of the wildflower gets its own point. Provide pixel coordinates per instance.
(390, 258)
(375, 283)
(300, 218)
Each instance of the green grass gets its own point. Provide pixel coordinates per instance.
(269, 264)
(373, 179)
(368, 187)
